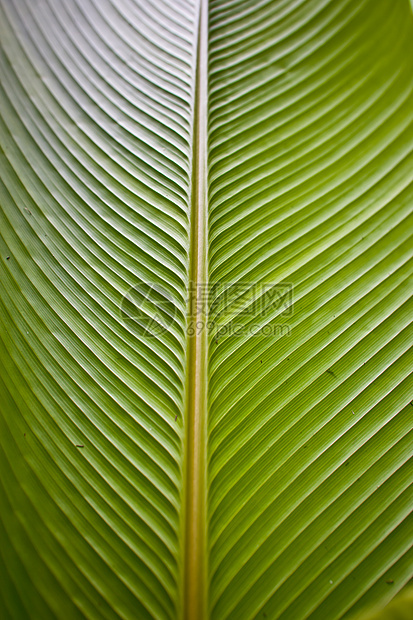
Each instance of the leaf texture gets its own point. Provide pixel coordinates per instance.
(310, 425)
(310, 187)
(96, 125)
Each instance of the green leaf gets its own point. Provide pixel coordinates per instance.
(205, 327)
(401, 608)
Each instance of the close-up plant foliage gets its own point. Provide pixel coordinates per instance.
(205, 309)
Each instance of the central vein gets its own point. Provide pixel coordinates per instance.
(195, 504)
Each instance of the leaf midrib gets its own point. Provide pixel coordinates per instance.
(194, 578)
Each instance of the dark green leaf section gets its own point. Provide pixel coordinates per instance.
(96, 130)
(310, 423)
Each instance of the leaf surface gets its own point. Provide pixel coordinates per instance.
(306, 229)
(310, 197)
(96, 135)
